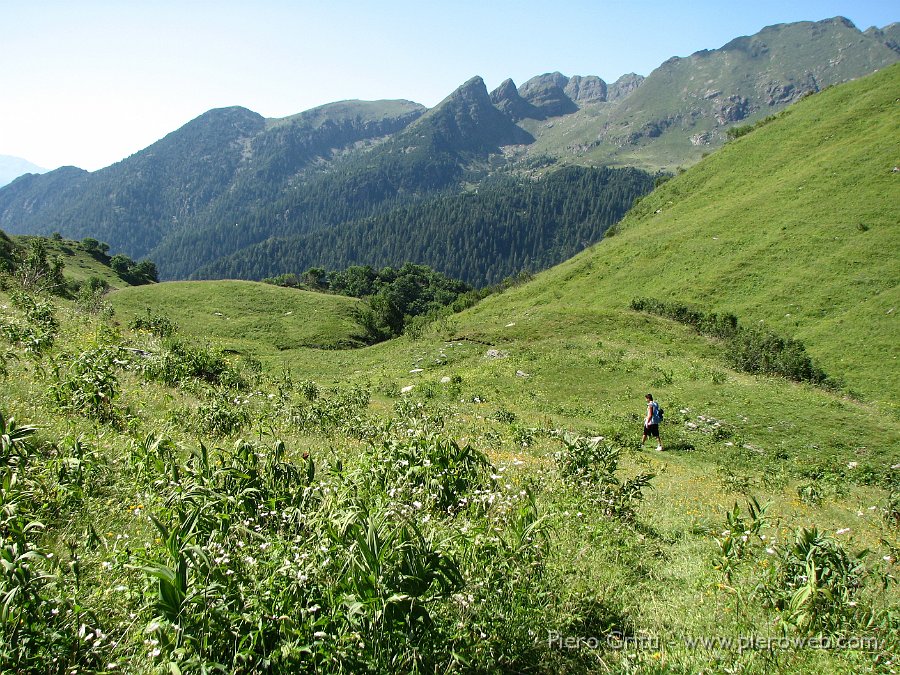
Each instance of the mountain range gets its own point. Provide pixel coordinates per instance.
(233, 194)
(13, 167)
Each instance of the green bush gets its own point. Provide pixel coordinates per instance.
(753, 351)
(180, 362)
(815, 584)
(590, 466)
(39, 329)
(156, 324)
(220, 415)
(433, 468)
(86, 383)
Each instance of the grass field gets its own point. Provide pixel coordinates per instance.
(236, 498)
(247, 316)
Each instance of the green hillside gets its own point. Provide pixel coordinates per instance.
(473, 497)
(793, 225)
(246, 316)
(78, 265)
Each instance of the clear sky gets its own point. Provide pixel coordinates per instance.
(89, 82)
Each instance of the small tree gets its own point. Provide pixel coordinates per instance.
(39, 274)
(121, 264)
(315, 277)
(93, 247)
(145, 271)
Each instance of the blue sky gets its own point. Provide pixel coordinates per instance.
(89, 82)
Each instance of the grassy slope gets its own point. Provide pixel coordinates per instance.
(78, 265)
(245, 315)
(577, 358)
(756, 229)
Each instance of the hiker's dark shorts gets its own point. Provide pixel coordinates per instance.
(652, 430)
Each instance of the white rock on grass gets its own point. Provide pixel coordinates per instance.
(445, 379)
(407, 389)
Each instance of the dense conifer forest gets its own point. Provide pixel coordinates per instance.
(507, 225)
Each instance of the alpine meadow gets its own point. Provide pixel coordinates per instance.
(383, 414)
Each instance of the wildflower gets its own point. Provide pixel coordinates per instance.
(852, 465)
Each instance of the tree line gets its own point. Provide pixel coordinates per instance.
(506, 225)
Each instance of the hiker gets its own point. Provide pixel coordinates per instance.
(651, 422)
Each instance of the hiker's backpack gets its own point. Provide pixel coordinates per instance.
(659, 413)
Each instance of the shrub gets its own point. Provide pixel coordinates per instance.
(434, 467)
(767, 353)
(220, 415)
(737, 540)
(590, 465)
(157, 324)
(815, 583)
(37, 333)
(180, 362)
(89, 297)
(86, 383)
(753, 351)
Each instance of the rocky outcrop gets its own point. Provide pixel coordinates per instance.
(547, 94)
(733, 109)
(623, 86)
(786, 92)
(588, 89)
(507, 100)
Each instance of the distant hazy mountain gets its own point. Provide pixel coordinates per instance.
(231, 180)
(13, 167)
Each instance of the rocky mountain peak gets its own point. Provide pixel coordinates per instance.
(547, 93)
(588, 89)
(624, 86)
(507, 100)
(467, 121)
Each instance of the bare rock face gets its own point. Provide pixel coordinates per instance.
(507, 100)
(623, 86)
(733, 108)
(588, 89)
(547, 94)
(782, 93)
(701, 138)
